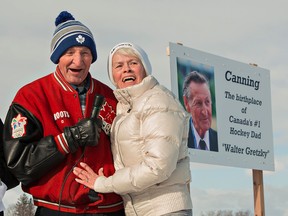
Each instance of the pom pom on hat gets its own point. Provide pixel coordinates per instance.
(63, 17)
(138, 50)
(69, 33)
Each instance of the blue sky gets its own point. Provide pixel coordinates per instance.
(246, 31)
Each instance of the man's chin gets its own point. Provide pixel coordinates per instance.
(204, 129)
(76, 81)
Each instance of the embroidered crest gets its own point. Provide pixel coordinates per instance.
(18, 125)
(107, 114)
(80, 39)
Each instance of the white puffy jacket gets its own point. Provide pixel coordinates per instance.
(149, 144)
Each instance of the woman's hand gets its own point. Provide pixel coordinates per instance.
(86, 175)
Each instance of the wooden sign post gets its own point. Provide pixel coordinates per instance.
(258, 187)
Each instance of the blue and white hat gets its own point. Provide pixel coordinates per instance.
(137, 49)
(69, 33)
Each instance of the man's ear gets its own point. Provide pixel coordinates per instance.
(186, 103)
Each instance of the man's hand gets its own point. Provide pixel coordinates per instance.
(85, 133)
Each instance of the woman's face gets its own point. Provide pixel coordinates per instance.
(127, 70)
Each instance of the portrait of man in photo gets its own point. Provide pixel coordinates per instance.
(198, 102)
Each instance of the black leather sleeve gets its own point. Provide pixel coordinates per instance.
(30, 156)
(5, 175)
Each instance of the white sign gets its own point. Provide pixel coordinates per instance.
(241, 109)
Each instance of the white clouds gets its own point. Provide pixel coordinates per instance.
(276, 201)
(281, 163)
(205, 200)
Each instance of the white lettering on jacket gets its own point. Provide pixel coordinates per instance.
(61, 114)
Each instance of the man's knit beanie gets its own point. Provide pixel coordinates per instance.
(69, 33)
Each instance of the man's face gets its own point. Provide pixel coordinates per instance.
(75, 63)
(200, 106)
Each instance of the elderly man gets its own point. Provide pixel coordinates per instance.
(197, 101)
(49, 129)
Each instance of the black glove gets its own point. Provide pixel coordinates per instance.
(93, 196)
(85, 133)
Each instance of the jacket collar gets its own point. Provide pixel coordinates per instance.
(127, 95)
(66, 86)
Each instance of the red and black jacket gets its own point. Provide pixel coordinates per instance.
(40, 159)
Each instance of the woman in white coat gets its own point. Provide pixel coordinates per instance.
(149, 141)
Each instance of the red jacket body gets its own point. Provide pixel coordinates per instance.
(41, 160)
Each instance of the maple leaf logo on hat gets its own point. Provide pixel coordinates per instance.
(80, 39)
